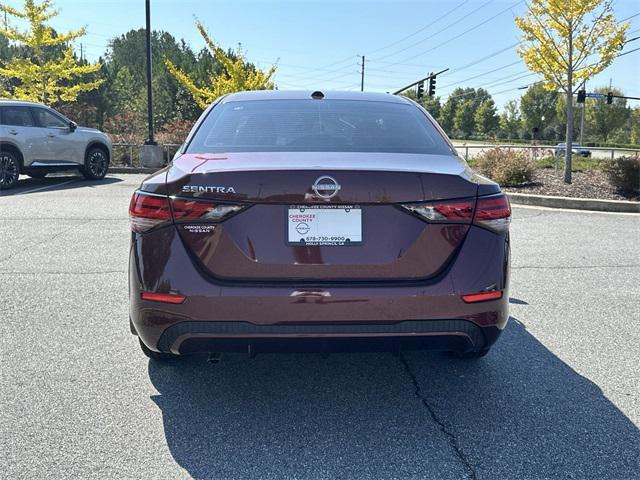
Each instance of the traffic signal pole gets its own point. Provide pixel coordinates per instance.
(422, 80)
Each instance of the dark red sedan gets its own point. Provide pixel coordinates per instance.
(297, 221)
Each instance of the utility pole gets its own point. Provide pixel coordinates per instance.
(81, 53)
(362, 76)
(150, 140)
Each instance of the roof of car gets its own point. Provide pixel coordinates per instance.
(306, 95)
(20, 102)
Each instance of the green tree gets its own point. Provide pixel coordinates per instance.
(486, 118)
(538, 108)
(449, 110)
(603, 119)
(41, 74)
(510, 121)
(237, 74)
(432, 105)
(464, 120)
(450, 107)
(567, 43)
(634, 127)
(125, 87)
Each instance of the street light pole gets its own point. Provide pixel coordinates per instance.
(150, 140)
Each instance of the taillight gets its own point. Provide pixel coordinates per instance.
(150, 210)
(147, 211)
(493, 212)
(458, 211)
(186, 209)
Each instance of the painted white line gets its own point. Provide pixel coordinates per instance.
(47, 186)
(572, 210)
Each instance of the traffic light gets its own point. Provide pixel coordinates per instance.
(432, 86)
(420, 92)
(609, 98)
(582, 94)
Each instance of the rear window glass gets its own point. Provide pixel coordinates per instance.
(317, 125)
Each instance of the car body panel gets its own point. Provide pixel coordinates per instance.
(50, 148)
(159, 261)
(239, 283)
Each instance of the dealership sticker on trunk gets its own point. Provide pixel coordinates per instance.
(331, 225)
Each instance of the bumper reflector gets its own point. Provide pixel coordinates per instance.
(482, 297)
(163, 297)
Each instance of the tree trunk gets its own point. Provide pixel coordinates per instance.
(569, 139)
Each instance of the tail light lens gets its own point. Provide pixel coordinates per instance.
(459, 211)
(149, 210)
(493, 212)
(185, 209)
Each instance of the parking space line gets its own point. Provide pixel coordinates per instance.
(47, 186)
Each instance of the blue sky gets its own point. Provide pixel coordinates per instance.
(318, 45)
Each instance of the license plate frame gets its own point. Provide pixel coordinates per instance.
(320, 238)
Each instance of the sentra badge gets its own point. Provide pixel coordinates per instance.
(207, 189)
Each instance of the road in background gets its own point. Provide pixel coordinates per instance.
(556, 398)
(470, 150)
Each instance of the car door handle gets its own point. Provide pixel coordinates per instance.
(13, 132)
(51, 135)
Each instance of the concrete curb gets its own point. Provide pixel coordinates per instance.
(594, 204)
(619, 206)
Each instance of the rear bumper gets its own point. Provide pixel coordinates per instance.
(350, 316)
(197, 337)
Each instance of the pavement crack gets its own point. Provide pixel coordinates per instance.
(451, 438)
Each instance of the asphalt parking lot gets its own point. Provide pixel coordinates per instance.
(558, 396)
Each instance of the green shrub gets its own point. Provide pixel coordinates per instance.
(507, 167)
(624, 174)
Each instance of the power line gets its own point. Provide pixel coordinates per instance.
(421, 29)
(436, 33)
(482, 74)
(484, 22)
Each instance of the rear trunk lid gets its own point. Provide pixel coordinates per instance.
(260, 242)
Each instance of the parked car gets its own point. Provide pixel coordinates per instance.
(36, 140)
(312, 221)
(576, 149)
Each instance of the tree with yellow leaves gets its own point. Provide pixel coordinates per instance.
(40, 75)
(568, 42)
(236, 74)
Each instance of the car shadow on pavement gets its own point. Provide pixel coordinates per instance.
(520, 412)
(52, 183)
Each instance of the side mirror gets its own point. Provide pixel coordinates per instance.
(73, 126)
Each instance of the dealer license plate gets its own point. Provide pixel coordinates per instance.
(332, 225)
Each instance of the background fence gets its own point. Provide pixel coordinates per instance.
(128, 154)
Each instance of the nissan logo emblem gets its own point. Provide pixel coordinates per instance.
(326, 187)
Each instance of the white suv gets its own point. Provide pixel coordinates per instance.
(36, 140)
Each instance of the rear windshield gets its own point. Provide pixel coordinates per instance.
(317, 126)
